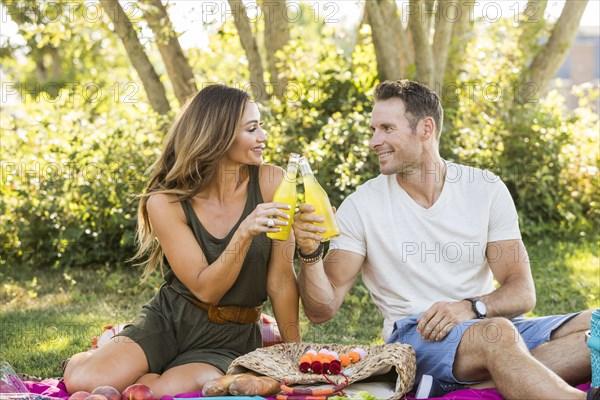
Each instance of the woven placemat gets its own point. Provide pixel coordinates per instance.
(281, 362)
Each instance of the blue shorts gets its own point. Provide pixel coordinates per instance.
(437, 358)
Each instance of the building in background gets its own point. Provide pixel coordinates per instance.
(581, 66)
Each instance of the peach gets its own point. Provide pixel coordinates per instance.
(80, 395)
(108, 391)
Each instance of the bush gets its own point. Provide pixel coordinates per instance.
(546, 154)
(325, 115)
(68, 188)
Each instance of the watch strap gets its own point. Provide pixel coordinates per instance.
(474, 308)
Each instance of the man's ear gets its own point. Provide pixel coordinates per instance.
(428, 126)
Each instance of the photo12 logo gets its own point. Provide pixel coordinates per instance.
(455, 11)
(56, 92)
(253, 12)
(44, 12)
(91, 172)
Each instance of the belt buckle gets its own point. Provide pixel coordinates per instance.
(214, 315)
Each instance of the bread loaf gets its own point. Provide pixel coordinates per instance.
(218, 386)
(249, 385)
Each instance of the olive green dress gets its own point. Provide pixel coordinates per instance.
(172, 331)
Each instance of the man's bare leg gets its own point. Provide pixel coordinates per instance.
(567, 353)
(493, 349)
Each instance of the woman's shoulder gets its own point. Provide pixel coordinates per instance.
(269, 176)
(162, 200)
(163, 204)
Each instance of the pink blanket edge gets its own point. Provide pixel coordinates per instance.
(54, 388)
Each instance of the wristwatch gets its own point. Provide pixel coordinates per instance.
(479, 308)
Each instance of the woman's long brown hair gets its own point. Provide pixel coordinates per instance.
(199, 138)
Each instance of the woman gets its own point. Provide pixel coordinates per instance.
(209, 205)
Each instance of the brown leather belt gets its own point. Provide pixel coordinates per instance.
(224, 314)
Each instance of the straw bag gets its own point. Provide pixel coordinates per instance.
(280, 362)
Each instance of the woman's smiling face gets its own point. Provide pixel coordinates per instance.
(249, 143)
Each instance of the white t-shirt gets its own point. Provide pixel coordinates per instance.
(417, 256)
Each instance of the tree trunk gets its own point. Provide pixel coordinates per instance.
(548, 60)
(412, 53)
(277, 35)
(417, 24)
(441, 43)
(177, 66)
(531, 23)
(406, 54)
(55, 57)
(386, 52)
(355, 33)
(24, 15)
(461, 36)
(150, 79)
(428, 6)
(40, 68)
(248, 41)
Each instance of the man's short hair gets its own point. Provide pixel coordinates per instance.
(419, 101)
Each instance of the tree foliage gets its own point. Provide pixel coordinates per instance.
(74, 157)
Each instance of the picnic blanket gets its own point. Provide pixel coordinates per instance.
(55, 388)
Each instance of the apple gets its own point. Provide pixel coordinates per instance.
(108, 391)
(137, 391)
(80, 395)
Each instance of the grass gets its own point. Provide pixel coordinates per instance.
(48, 315)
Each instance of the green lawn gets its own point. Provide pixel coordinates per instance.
(46, 316)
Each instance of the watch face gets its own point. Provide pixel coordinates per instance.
(481, 309)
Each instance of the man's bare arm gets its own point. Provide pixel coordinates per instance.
(509, 263)
(516, 295)
(324, 285)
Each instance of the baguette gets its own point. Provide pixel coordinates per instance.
(249, 385)
(218, 386)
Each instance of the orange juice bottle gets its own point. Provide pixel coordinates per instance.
(316, 196)
(286, 193)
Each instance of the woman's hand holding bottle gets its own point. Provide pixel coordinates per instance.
(264, 219)
(286, 193)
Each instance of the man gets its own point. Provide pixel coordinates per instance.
(430, 237)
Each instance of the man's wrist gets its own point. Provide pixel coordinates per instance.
(478, 307)
(308, 250)
(311, 258)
